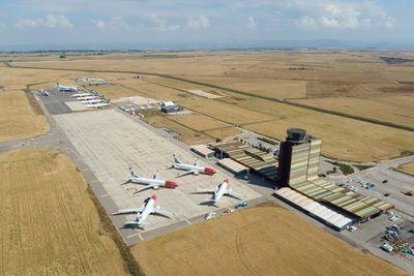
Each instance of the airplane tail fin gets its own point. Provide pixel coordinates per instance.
(132, 173)
(176, 160)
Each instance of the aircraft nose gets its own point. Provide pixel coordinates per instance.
(171, 184)
(209, 170)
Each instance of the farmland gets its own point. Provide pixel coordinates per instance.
(396, 109)
(50, 225)
(407, 168)
(354, 83)
(288, 244)
(20, 116)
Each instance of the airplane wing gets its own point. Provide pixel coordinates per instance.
(234, 195)
(161, 212)
(188, 172)
(129, 211)
(148, 187)
(203, 191)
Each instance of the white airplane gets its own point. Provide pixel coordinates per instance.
(153, 183)
(87, 98)
(222, 189)
(97, 105)
(194, 169)
(147, 209)
(93, 101)
(81, 94)
(62, 88)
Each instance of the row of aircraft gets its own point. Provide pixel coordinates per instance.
(149, 207)
(91, 99)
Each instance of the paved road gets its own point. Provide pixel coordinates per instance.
(397, 183)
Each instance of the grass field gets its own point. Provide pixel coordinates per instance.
(279, 89)
(198, 122)
(396, 109)
(224, 111)
(20, 116)
(50, 225)
(256, 241)
(357, 83)
(407, 168)
(344, 139)
(186, 135)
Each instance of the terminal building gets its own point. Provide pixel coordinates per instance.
(298, 170)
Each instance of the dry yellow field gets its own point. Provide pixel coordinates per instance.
(223, 133)
(186, 135)
(407, 168)
(321, 78)
(256, 241)
(345, 139)
(49, 224)
(198, 122)
(19, 118)
(396, 109)
(224, 111)
(279, 89)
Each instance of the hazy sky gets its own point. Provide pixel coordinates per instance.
(159, 23)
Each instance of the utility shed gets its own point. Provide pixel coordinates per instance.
(203, 150)
(233, 166)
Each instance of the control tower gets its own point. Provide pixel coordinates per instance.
(298, 158)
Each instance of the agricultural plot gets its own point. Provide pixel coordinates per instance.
(50, 225)
(198, 122)
(20, 116)
(279, 89)
(395, 109)
(156, 91)
(344, 139)
(184, 134)
(407, 168)
(288, 245)
(225, 112)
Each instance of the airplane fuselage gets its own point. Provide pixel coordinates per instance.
(194, 168)
(148, 208)
(221, 190)
(148, 181)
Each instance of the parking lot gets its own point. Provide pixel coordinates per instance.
(110, 142)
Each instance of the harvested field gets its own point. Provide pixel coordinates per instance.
(344, 139)
(198, 122)
(395, 109)
(226, 112)
(133, 87)
(186, 135)
(50, 225)
(407, 168)
(20, 117)
(288, 244)
(279, 89)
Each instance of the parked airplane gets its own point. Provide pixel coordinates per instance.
(92, 101)
(62, 88)
(97, 105)
(81, 94)
(154, 182)
(147, 209)
(87, 97)
(223, 189)
(191, 169)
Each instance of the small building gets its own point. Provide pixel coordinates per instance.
(203, 150)
(234, 167)
(169, 107)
